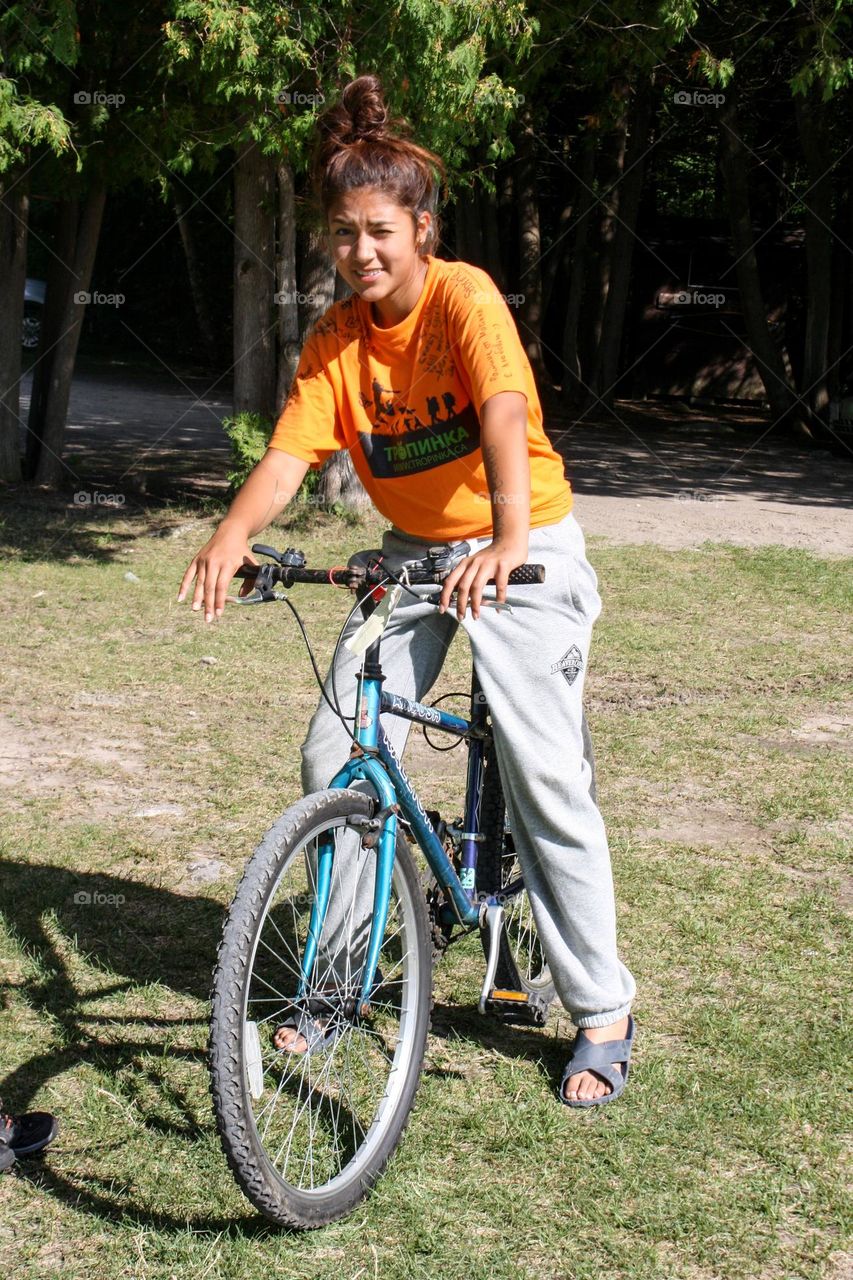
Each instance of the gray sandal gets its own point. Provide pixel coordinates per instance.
(599, 1059)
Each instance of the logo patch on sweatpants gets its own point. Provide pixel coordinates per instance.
(570, 664)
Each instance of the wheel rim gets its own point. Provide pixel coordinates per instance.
(30, 330)
(521, 932)
(323, 1114)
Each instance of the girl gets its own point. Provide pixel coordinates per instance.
(421, 375)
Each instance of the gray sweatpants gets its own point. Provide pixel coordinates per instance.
(531, 664)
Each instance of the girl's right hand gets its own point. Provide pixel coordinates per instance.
(213, 569)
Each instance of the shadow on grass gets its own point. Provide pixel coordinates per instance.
(39, 526)
(137, 935)
(511, 1040)
(121, 927)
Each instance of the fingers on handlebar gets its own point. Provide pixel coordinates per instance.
(469, 579)
(484, 575)
(449, 585)
(461, 580)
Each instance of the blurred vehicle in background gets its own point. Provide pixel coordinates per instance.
(34, 291)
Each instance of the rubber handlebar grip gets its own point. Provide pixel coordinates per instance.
(527, 574)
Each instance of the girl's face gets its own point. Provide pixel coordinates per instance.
(375, 245)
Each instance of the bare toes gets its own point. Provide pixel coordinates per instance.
(289, 1039)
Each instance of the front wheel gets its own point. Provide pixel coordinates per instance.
(307, 1134)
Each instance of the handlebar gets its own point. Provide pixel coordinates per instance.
(433, 569)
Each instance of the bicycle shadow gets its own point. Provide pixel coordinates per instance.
(130, 934)
(511, 1040)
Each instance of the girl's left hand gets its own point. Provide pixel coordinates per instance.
(470, 576)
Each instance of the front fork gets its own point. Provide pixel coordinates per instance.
(360, 768)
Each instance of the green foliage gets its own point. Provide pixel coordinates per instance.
(717, 71)
(26, 122)
(38, 50)
(249, 434)
(825, 38)
(436, 61)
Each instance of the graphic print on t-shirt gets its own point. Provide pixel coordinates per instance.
(403, 444)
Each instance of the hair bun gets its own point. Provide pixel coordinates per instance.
(360, 115)
(364, 100)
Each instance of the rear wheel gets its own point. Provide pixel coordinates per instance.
(522, 966)
(307, 1134)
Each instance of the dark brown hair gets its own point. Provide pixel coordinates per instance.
(360, 145)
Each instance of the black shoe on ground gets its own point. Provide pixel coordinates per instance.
(26, 1134)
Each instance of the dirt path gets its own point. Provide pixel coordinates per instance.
(673, 476)
(662, 473)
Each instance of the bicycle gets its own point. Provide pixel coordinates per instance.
(331, 932)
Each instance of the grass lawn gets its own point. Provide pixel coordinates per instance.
(143, 756)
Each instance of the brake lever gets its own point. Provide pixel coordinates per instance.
(264, 588)
(500, 605)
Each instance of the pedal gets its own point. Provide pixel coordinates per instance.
(517, 1006)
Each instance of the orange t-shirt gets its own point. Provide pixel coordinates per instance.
(405, 401)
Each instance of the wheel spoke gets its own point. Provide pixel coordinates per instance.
(322, 1114)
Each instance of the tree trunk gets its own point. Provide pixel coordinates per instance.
(573, 387)
(609, 189)
(51, 469)
(60, 287)
(507, 219)
(195, 272)
(557, 259)
(14, 213)
(813, 128)
(254, 282)
(317, 289)
(339, 482)
(491, 239)
(784, 406)
(605, 371)
(287, 291)
(469, 238)
(838, 341)
(530, 246)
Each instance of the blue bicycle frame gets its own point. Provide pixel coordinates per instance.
(375, 761)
